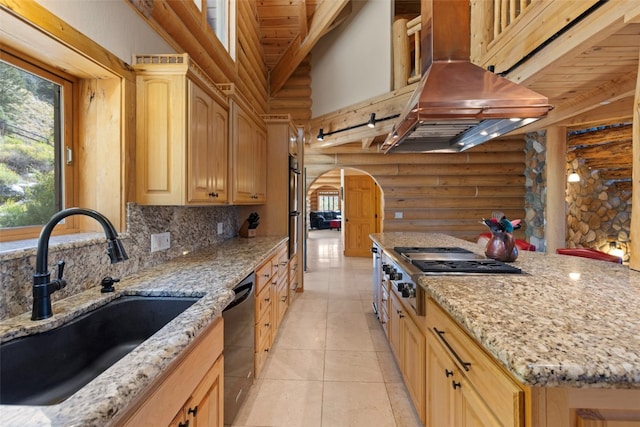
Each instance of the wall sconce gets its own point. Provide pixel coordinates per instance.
(573, 177)
(320, 135)
(372, 121)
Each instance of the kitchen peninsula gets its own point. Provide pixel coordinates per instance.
(209, 274)
(563, 338)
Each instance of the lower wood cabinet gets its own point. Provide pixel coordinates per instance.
(192, 392)
(408, 346)
(272, 301)
(465, 387)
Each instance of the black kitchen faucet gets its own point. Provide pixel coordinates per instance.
(43, 286)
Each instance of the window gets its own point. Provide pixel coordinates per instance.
(35, 145)
(220, 17)
(328, 201)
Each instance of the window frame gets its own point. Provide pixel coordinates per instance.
(68, 169)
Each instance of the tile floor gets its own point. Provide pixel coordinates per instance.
(331, 365)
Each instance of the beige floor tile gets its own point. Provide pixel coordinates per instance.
(347, 320)
(352, 404)
(301, 338)
(313, 305)
(389, 367)
(284, 403)
(361, 366)
(379, 339)
(291, 364)
(305, 319)
(345, 306)
(403, 410)
(348, 338)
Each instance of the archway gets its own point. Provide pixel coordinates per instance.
(348, 201)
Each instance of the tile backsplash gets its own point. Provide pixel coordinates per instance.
(191, 228)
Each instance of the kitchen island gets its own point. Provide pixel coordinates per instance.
(209, 274)
(567, 330)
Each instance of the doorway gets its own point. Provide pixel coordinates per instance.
(349, 202)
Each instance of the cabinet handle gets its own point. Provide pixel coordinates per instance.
(184, 424)
(193, 411)
(283, 299)
(464, 364)
(267, 350)
(455, 385)
(267, 299)
(267, 275)
(266, 325)
(448, 373)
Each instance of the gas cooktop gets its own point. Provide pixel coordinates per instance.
(452, 260)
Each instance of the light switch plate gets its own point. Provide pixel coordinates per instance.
(220, 228)
(160, 241)
(398, 215)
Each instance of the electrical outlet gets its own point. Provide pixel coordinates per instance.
(398, 215)
(220, 228)
(160, 241)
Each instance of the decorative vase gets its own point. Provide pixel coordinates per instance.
(502, 247)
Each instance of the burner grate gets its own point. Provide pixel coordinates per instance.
(465, 266)
(430, 250)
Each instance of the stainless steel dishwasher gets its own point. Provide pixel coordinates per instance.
(239, 326)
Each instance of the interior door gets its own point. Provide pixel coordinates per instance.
(359, 216)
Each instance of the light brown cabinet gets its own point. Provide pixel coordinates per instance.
(465, 387)
(271, 303)
(408, 346)
(248, 151)
(192, 392)
(181, 134)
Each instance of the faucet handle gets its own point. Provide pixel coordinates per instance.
(61, 265)
(107, 284)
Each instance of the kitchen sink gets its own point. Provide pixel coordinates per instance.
(47, 368)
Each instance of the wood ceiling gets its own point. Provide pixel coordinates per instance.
(588, 73)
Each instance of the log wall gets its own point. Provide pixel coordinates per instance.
(448, 193)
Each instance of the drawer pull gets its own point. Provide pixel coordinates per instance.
(448, 373)
(184, 424)
(464, 364)
(283, 299)
(193, 411)
(455, 385)
(267, 299)
(266, 325)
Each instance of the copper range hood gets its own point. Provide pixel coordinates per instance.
(458, 105)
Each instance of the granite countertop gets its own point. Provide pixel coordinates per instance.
(567, 322)
(210, 274)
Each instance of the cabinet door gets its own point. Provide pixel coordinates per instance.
(260, 166)
(413, 363)
(395, 318)
(207, 149)
(440, 371)
(471, 409)
(220, 153)
(243, 158)
(205, 408)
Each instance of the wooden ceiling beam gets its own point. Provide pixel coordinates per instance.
(300, 47)
(302, 17)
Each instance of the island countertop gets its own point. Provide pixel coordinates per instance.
(566, 322)
(210, 274)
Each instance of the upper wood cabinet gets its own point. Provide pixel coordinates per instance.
(182, 133)
(248, 147)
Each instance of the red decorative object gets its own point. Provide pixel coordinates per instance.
(589, 253)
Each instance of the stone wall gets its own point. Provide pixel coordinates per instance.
(535, 173)
(598, 213)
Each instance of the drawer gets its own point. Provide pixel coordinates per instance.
(263, 276)
(492, 382)
(263, 329)
(263, 301)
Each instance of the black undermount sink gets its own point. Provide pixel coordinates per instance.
(47, 368)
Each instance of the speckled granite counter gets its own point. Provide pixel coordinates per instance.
(209, 274)
(569, 322)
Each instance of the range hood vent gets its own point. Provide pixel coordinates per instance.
(458, 105)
